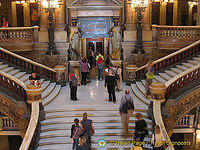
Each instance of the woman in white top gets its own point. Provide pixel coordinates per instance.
(158, 139)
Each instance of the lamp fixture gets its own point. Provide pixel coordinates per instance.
(192, 3)
(163, 1)
(28, 2)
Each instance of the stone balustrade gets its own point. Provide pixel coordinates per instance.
(19, 33)
(7, 124)
(186, 121)
(169, 60)
(175, 33)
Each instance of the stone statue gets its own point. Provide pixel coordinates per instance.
(75, 41)
(116, 38)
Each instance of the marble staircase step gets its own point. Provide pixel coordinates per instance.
(183, 68)
(2, 67)
(176, 70)
(1, 63)
(141, 87)
(91, 114)
(139, 95)
(19, 75)
(195, 60)
(45, 85)
(48, 90)
(14, 72)
(8, 69)
(165, 76)
(170, 73)
(188, 65)
(25, 78)
(159, 79)
(51, 96)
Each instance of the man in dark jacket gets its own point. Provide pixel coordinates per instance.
(126, 110)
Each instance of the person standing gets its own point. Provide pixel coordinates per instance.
(73, 83)
(34, 79)
(75, 134)
(149, 76)
(5, 23)
(126, 110)
(119, 78)
(140, 127)
(111, 84)
(87, 128)
(84, 70)
(99, 62)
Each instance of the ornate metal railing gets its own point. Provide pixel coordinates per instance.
(16, 87)
(7, 124)
(182, 80)
(186, 121)
(19, 33)
(175, 33)
(27, 64)
(172, 59)
(180, 109)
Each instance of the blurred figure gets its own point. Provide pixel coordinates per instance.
(34, 79)
(73, 83)
(83, 144)
(126, 110)
(149, 76)
(84, 70)
(119, 78)
(99, 62)
(75, 134)
(5, 23)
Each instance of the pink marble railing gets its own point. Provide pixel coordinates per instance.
(186, 121)
(175, 33)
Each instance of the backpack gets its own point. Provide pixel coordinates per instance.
(74, 81)
(127, 106)
(100, 61)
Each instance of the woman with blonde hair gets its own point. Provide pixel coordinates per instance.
(149, 76)
(83, 144)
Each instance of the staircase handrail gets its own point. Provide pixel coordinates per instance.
(17, 28)
(31, 127)
(170, 59)
(15, 85)
(183, 79)
(28, 64)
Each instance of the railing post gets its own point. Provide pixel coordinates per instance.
(35, 34)
(158, 97)
(1, 123)
(131, 76)
(191, 121)
(154, 27)
(61, 74)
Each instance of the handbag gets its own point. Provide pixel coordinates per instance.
(91, 130)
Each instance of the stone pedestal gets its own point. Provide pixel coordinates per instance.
(158, 91)
(34, 93)
(130, 71)
(61, 75)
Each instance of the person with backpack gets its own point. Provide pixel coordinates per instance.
(99, 62)
(75, 134)
(73, 83)
(126, 110)
(87, 128)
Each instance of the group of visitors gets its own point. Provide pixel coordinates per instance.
(82, 132)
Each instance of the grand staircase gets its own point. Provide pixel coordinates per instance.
(138, 87)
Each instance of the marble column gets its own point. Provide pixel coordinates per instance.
(163, 13)
(14, 14)
(44, 17)
(198, 13)
(27, 19)
(60, 17)
(146, 18)
(175, 13)
(190, 16)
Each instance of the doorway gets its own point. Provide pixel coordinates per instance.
(96, 45)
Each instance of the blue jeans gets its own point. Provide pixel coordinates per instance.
(100, 71)
(75, 144)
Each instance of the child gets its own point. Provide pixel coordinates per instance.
(75, 133)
